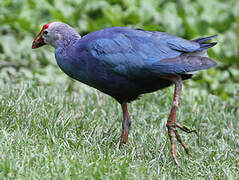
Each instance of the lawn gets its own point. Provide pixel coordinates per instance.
(57, 132)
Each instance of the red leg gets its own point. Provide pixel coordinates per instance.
(171, 123)
(172, 117)
(125, 124)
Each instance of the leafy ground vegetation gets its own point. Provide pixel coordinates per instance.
(53, 127)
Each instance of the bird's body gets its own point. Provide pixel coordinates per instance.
(125, 62)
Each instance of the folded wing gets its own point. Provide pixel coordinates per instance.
(137, 53)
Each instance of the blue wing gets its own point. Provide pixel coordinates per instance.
(135, 53)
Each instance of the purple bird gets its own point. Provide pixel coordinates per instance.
(126, 62)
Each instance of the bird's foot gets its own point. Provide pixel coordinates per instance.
(125, 125)
(124, 137)
(174, 135)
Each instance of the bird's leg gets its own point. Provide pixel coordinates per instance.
(125, 124)
(171, 123)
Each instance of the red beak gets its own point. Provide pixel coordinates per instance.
(38, 41)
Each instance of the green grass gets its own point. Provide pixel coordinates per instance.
(50, 132)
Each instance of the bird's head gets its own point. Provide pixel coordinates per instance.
(54, 34)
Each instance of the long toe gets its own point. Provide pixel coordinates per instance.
(174, 136)
(187, 129)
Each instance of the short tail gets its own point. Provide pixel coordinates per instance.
(204, 39)
(203, 42)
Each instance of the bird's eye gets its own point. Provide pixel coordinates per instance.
(45, 32)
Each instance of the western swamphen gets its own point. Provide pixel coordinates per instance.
(126, 62)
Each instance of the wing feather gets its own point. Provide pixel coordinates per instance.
(136, 53)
